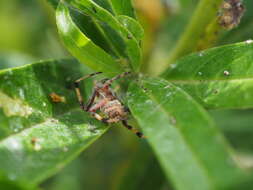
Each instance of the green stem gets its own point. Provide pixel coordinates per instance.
(204, 14)
(210, 36)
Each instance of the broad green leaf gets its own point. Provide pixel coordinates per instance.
(104, 162)
(217, 78)
(89, 27)
(116, 7)
(123, 7)
(132, 25)
(191, 150)
(37, 135)
(93, 31)
(125, 43)
(106, 4)
(82, 47)
(99, 32)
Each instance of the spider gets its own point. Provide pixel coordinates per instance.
(103, 99)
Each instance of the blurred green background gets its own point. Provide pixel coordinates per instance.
(28, 32)
(118, 160)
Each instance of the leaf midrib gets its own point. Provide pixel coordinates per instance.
(65, 161)
(199, 81)
(201, 165)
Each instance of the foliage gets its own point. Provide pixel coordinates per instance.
(170, 101)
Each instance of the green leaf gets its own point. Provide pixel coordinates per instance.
(121, 38)
(11, 185)
(82, 47)
(123, 7)
(93, 31)
(101, 33)
(54, 3)
(117, 7)
(38, 136)
(133, 26)
(217, 78)
(183, 136)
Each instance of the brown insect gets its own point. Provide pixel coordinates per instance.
(232, 11)
(56, 98)
(103, 99)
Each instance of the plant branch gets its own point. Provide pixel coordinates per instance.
(205, 13)
(211, 35)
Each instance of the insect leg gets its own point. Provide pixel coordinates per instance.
(99, 117)
(78, 92)
(96, 116)
(91, 100)
(109, 82)
(87, 76)
(129, 127)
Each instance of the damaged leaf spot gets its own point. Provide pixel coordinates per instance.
(14, 107)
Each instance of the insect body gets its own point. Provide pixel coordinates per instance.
(103, 99)
(114, 110)
(232, 11)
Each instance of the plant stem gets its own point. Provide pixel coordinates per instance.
(210, 37)
(204, 14)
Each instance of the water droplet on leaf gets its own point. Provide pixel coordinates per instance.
(226, 73)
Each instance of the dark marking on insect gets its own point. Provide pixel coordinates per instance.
(103, 99)
(231, 13)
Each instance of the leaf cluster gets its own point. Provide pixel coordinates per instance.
(170, 102)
